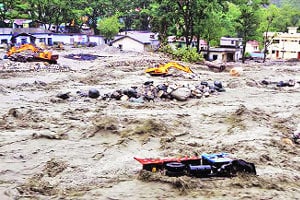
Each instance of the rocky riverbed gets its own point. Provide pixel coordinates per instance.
(83, 148)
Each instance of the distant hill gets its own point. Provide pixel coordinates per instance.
(293, 3)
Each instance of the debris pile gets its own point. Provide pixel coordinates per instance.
(149, 92)
(11, 66)
(208, 165)
(288, 83)
(81, 56)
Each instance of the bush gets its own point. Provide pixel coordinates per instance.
(167, 49)
(183, 54)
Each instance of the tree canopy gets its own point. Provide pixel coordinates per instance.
(190, 19)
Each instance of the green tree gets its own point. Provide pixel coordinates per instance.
(50, 12)
(109, 27)
(163, 18)
(12, 9)
(187, 11)
(229, 19)
(287, 16)
(268, 15)
(248, 22)
(212, 25)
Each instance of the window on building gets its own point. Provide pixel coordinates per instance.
(232, 42)
(23, 41)
(4, 41)
(215, 57)
(273, 51)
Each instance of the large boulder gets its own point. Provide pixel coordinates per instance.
(181, 94)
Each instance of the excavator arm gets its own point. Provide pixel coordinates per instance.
(163, 69)
(22, 48)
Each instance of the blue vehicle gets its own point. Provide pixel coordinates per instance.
(216, 159)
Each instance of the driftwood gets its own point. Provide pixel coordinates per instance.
(218, 66)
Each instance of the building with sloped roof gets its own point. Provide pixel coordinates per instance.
(139, 41)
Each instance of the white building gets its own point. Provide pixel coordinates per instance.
(139, 41)
(284, 45)
(252, 46)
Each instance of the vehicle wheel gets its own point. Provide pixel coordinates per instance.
(175, 167)
(174, 174)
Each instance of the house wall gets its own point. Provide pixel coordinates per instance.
(218, 56)
(129, 44)
(5, 38)
(49, 39)
(232, 42)
(250, 48)
(284, 45)
(284, 48)
(224, 56)
(98, 39)
(69, 39)
(5, 31)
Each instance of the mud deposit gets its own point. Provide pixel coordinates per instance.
(83, 148)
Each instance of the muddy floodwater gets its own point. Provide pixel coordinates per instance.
(84, 148)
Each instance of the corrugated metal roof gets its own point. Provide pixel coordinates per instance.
(144, 37)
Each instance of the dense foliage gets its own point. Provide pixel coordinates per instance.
(184, 54)
(109, 27)
(190, 19)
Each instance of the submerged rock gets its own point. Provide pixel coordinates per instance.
(63, 95)
(93, 93)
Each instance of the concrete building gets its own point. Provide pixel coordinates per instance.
(230, 50)
(41, 35)
(252, 46)
(284, 45)
(47, 38)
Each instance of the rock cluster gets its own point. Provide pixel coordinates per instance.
(150, 92)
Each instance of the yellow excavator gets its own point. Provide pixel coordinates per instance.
(29, 52)
(163, 69)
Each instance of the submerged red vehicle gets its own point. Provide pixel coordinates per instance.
(218, 164)
(152, 164)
